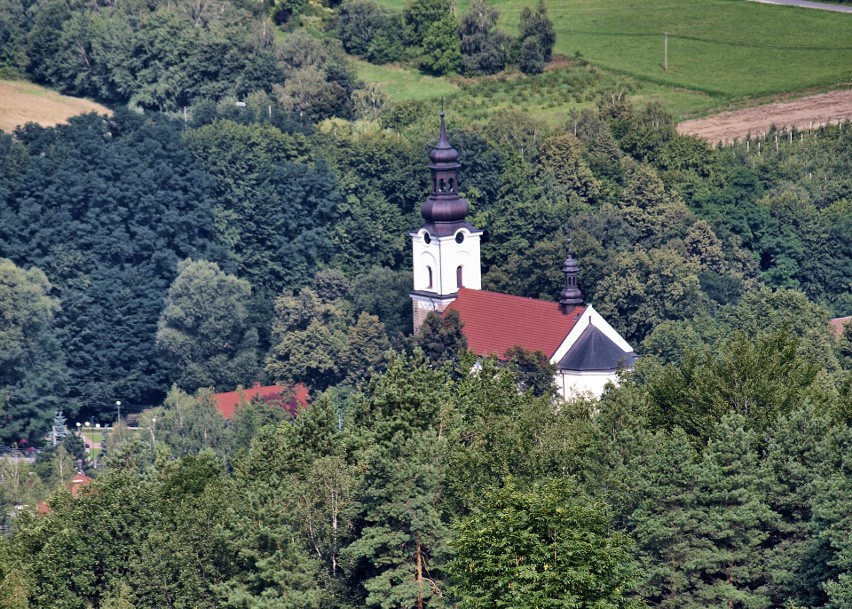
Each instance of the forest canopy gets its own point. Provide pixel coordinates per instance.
(242, 217)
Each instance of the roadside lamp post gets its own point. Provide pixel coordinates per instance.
(118, 407)
(96, 455)
(87, 426)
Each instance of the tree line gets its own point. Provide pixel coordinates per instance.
(430, 35)
(167, 56)
(719, 479)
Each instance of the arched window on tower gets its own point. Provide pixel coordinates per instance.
(452, 185)
(459, 277)
(429, 277)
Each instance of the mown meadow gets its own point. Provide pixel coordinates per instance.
(720, 53)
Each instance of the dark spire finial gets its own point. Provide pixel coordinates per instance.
(444, 204)
(571, 295)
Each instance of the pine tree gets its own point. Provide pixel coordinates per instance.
(398, 528)
(796, 461)
(366, 344)
(736, 519)
(665, 523)
(832, 517)
(59, 430)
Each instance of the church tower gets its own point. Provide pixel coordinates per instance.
(446, 247)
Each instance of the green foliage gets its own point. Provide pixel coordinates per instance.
(533, 370)
(189, 425)
(309, 336)
(384, 293)
(759, 379)
(282, 11)
(548, 546)
(151, 57)
(797, 456)
(485, 49)
(441, 47)
(13, 26)
(107, 212)
(13, 585)
(357, 23)
(531, 56)
(498, 433)
(20, 490)
(560, 157)
(703, 528)
(204, 329)
(399, 532)
(366, 344)
(367, 30)
(251, 417)
(32, 370)
(420, 15)
(441, 338)
(641, 289)
(270, 206)
(536, 38)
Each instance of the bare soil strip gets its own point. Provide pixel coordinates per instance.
(802, 113)
(23, 102)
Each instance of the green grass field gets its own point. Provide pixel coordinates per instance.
(404, 83)
(720, 52)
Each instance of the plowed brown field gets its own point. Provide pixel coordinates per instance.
(23, 102)
(802, 113)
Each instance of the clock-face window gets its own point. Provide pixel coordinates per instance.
(459, 237)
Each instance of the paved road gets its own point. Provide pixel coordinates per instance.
(837, 8)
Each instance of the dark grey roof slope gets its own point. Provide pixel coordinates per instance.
(594, 351)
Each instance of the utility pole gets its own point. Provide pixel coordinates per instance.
(666, 52)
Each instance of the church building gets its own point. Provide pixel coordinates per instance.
(587, 351)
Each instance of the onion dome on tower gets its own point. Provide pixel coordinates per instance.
(571, 295)
(444, 211)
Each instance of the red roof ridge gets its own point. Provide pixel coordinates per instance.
(494, 322)
(837, 324)
(227, 402)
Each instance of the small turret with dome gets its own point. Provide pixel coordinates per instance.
(571, 295)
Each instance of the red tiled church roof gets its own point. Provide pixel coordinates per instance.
(495, 322)
(227, 402)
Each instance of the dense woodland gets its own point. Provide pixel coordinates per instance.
(187, 244)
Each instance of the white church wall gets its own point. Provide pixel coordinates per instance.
(444, 255)
(574, 384)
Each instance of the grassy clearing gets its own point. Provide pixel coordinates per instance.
(720, 51)
(404, 83)
(22, 102)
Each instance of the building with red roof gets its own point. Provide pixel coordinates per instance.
(838, 323)
(588, 353)
(77, 482)
(289, 399)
